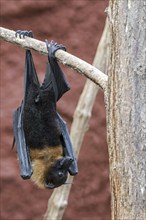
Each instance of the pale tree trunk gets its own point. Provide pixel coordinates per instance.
(126, 110)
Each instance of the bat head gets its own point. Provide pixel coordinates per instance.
(57, 174)
(50, 168)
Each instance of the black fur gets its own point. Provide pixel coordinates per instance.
(41, 126)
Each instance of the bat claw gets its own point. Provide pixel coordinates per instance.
(23, 34)
(53, 46)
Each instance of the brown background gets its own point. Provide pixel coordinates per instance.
(78, 24)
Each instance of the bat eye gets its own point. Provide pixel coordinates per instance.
(60, 174)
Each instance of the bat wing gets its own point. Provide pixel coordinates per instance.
(21, 147)
(30, 75)
(68, 149)
(60, 86)
(22, 150)
(56, 75)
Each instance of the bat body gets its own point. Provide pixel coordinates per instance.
(42, 141)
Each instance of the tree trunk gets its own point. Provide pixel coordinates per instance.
(126, 110)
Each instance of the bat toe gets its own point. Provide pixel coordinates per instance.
(24, 33)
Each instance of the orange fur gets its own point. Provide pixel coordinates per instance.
(42, 161)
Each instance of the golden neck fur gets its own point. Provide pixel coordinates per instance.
(42, 160)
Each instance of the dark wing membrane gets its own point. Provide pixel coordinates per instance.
(68, 149)
(30, 75)
(48, 78)
(22, 151)
(60, 85)
(55, 77)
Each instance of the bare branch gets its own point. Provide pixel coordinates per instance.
(67, 59)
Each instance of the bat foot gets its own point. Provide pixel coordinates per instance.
(23, 34)
(52, 47)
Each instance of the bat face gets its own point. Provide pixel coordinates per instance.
(50, 170)
(57, 174)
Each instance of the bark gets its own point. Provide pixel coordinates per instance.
(59, 198)
(126, 110)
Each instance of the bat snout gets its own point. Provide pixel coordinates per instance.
(50, 185)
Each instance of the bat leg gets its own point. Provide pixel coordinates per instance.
(23, 34)
(52, 47)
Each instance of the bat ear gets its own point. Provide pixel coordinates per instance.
(66, 162)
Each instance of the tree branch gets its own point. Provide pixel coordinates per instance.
(67, 59)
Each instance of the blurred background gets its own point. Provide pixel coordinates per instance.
(78, 24)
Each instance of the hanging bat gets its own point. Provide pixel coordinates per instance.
(42, 140)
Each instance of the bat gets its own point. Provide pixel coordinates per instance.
(41, 136)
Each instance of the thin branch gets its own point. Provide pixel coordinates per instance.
(67, 59)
